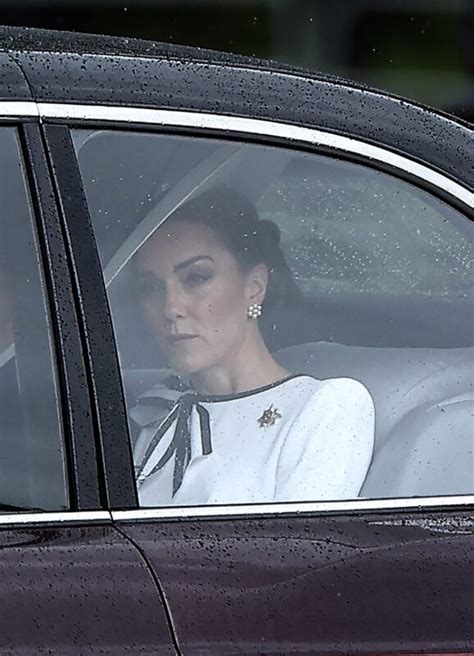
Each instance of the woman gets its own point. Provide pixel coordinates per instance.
(246, 430)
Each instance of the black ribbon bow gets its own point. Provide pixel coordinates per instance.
(180, 445)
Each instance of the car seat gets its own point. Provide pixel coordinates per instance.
(424, 408)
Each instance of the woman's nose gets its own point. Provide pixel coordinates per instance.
(174, 306)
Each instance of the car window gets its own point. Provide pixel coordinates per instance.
(372, 234)
(32, 462)
(367, 286)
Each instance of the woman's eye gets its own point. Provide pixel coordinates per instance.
(195, 278)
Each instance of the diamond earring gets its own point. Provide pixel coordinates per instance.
(254, 311)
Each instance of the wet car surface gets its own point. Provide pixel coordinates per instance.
(84, 568)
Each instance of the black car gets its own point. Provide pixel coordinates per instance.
(101, 139)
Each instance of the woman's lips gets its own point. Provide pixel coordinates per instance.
(180, 338)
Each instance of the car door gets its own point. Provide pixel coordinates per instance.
(386, 573)
(70, 581)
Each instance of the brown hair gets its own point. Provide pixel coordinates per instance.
(251, 240)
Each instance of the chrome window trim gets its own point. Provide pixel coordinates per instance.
(18, 109)
(61, 517)
(294, 508)
(250, 126)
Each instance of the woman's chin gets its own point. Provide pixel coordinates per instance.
(183, 365)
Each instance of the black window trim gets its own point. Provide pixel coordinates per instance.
(103, 376)
(77, 429)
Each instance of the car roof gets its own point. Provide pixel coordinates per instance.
(50, 66)
(28, 39)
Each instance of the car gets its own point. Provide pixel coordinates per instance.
(101, 139)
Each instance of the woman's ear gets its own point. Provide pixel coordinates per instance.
(257, 281)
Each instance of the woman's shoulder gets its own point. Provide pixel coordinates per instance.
(338, 385)
(336, 406)
(333, 393)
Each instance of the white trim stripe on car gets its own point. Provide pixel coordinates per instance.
(61, 517)
(295, 508)
(18, 109)
(255, 510)
(235, 124)
(260, 127)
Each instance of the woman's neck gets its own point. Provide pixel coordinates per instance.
(252, 366)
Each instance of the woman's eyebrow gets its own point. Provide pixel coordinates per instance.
(192, 260)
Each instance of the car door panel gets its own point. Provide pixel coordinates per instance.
(310, 584)
(76, 589)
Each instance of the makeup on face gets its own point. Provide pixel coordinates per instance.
(193, 294)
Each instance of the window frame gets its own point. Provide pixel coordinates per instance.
(272, 133)
(76, 430)
(103, 370)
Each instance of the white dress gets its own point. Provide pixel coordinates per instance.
(301, 439)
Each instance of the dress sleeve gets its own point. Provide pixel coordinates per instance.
(329, 445)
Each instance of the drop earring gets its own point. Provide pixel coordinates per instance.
(254, 311)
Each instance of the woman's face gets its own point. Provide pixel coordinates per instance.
(195, 296)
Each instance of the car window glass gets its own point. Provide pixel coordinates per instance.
(32, 462)
(349, 275)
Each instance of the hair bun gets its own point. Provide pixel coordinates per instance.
(270, 232)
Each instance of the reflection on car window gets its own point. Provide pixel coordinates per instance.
(269, 307)
(32, 465)
(372, 234)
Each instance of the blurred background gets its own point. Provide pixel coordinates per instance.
(421, 49)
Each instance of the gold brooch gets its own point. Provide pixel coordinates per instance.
(269, 417)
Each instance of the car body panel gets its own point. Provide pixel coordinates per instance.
(73, 587)
(330, 583)
(14, 86)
